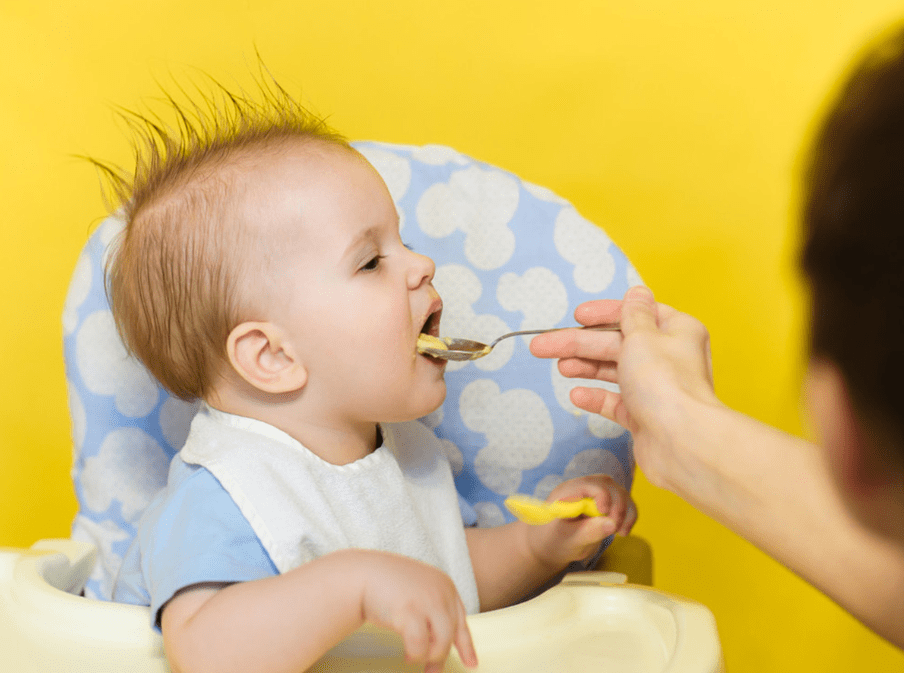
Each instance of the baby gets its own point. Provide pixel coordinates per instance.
(261, 271)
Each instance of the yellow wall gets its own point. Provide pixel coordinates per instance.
(675, 125)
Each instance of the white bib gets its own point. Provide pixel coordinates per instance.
(400, 498)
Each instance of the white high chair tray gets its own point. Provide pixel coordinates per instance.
(588, 623)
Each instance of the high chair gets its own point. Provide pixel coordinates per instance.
(588, 623)
(509, 256)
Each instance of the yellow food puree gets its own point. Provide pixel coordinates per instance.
(425, 341)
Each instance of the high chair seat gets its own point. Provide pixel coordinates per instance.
(509, 256)
(587, 624)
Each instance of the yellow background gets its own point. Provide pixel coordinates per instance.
(675, 125)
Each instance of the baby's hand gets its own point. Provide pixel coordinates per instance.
(422, 605)
(562, 541)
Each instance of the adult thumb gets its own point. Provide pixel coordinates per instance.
(638, 310)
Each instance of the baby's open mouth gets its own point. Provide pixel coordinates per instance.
(429, 336)
(431, 327)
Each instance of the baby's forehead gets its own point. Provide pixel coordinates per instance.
(289, 180)
(271, 176)
(294, 164)
(283, 193)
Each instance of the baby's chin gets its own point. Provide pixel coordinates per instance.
(429, 406)
(436, 403)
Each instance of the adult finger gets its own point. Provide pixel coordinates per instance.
(577, 368)
(577, 343)
(598, 312)
(638, 310)
(603, 402)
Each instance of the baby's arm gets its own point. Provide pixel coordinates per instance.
(287, 622)
(512, 560)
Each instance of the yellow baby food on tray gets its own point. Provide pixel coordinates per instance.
(426, 341)
(537, 512)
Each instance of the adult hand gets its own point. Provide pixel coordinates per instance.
(661, 361)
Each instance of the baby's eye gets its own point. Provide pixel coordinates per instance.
(372, 264)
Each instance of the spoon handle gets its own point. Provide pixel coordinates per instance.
(610, 327)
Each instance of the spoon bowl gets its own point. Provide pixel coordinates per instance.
(451, 348)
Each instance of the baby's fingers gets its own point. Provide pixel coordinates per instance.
(463, 641)
(630, 518)
(616, 503)
(443, 628)
(589, 531)
(612, 500)
(416, 638)
(429, 640)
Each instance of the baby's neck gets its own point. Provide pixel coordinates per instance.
(336, 443)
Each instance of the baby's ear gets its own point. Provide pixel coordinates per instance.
(260, 354)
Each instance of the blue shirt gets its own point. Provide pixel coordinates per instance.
(192, 532)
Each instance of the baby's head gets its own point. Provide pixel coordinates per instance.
(261, 261)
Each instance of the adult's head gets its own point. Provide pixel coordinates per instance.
(853, 257)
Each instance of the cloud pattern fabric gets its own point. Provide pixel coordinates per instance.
(509, 255)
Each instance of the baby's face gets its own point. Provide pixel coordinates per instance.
(349, 293)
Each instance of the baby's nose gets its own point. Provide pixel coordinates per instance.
(422, 270)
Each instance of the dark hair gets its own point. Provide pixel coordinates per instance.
(853, 253)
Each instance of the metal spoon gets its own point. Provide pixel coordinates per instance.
(465, 349)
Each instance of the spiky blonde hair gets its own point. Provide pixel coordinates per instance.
(174, 276)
